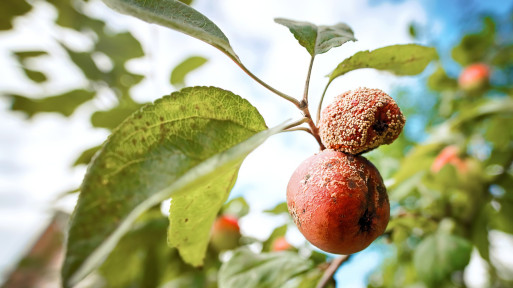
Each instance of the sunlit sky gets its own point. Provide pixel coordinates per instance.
(36, 155)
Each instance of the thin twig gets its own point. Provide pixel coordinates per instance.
(281, 94)
(296, 123)
(328, 274)
(299, 129)
(313, 128)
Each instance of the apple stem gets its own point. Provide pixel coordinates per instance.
(328, 274)
(319, 108)
(313, 128)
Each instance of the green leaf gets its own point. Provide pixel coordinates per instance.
(487, 108)
(110, 119)
(250, 270)
(24, 55)
(416, 162)
(309, 279)
(125, 265)
(408, 59)
(312, 278)
(178, 16)
(496, 134)
(120, 47)
(278, 209)
(440, 254)
(237, 207)
(177, 146)
(475, 47)
(318, 39)
(192, 214)
(185, 67)
(36, 76)
(502, 219)
(64, 104)
(143, 259)
(480, 231)
(412, 29)
(85, 63)
(503, 57)
(10, 9)
(439, 81)
(86, 156)
(277, 233)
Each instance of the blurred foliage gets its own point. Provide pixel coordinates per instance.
(181, 70)
(440, 214)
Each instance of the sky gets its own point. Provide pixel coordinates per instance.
(35, 156)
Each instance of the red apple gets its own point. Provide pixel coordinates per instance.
(225, 233)
(281, 244)
(338, 201)
(474, 77)
(449, 155)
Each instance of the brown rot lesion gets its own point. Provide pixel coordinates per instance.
(366, 220)
(380, 127)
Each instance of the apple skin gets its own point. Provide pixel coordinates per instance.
(474, 77)
(281, 244)
(338, 201)
(225, 233)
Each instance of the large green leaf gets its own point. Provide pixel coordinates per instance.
(178, 16)
(179, 145)
(408, 59)
(192, 214)
(142, 258)
(440, 254)
(64, 104)
(318, 39)
(250, 270)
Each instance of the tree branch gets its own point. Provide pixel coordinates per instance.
(328, 274)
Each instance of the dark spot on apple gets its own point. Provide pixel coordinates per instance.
(382, 194)
(380, 127)
(365, 222)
